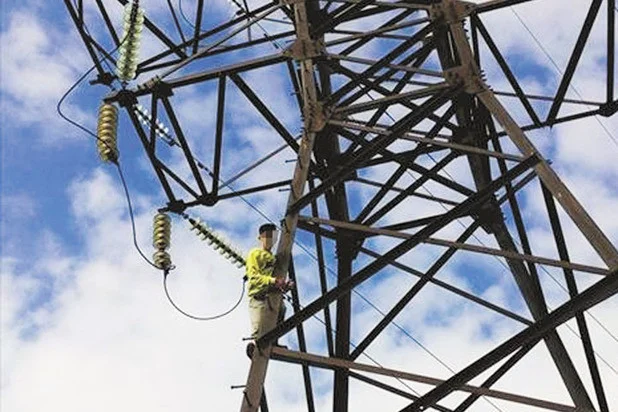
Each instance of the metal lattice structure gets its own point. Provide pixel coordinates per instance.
(408, 94)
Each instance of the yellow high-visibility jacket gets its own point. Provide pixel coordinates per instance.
(260, 265)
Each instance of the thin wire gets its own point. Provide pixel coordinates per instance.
(538, 42)
(201, 318)
(611, 136)
(364, 353)
(133, 230)
(116, 163)
(501, 262)
(131, 214)
(302, 246)
(555, 280)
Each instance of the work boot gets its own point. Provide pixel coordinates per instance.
(250, 349)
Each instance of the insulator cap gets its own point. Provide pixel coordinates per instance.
(162, 230)
(162, 259)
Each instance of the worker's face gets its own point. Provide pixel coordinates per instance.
(268, 239)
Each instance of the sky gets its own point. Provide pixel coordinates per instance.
(84, 320)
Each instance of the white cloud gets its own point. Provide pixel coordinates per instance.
(108, 334)
(39, 64)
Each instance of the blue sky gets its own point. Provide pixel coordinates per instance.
(84, 318)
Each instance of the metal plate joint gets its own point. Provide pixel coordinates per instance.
(303, 49)
(450, 11)
(315, 117)
(467, 76)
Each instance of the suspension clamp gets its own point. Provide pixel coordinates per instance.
(124, 97)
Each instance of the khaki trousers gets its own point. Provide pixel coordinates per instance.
(258, 310)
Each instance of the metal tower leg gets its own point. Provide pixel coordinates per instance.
(303, 50)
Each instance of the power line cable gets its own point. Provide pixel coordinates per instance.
(128, 198)
(134, 232)
(202, 318)
(131, 213)
(364, 353)
(596, 320)
(194, 317)
(116, 163)
(544, 50)
(500, 261)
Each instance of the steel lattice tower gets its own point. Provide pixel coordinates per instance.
(410, 94)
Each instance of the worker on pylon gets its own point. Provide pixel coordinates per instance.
(262, 284)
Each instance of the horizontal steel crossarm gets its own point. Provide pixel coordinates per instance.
(365, 273)
(213, 73)
(458, 245)
(414, 272)
(242, 192)
(336, 363)
(597, 293)
(416, 5)
(415, 138)
(221, 50)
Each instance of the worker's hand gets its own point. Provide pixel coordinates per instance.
(283, 285)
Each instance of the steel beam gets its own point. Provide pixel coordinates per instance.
(602, 290)
(259, 364)
(359, 277)
(336, 363)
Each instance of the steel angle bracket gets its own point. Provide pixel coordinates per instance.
(451, 11)
(303, 49)
(468, 76)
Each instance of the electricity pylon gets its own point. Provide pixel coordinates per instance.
(406, 94)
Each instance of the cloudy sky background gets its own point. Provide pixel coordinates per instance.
(85, 323)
